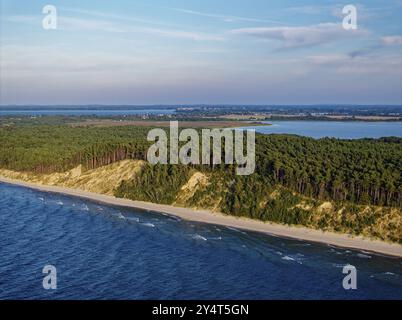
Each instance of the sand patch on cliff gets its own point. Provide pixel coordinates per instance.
(325, 207)
(198, 180)
(100, 180)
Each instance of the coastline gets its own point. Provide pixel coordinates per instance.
(205, 216)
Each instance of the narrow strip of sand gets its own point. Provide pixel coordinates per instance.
(340, 240)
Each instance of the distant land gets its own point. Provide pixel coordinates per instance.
(214, 112)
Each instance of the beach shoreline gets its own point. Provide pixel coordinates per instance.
(205, 216)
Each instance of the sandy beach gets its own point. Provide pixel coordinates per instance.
(340, 240)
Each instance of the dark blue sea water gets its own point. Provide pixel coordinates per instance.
(106, 252)
(333, 129)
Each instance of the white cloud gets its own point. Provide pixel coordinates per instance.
(296, 37)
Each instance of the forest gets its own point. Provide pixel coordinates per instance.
(365, 171)
(295, 177)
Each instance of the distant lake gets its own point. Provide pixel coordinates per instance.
(335, 129)
(82, 112)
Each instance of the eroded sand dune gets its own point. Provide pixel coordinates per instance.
(102, 180)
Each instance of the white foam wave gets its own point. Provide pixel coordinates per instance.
(288, 258)
(120, 216)
(198, 237)
(148, 224)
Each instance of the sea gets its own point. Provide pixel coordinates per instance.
(99, 251)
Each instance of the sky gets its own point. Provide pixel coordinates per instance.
(136, 52)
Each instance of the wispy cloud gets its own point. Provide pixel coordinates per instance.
(78, 24)
(305, 36)
(392, 40)
(361, 65)
(367, 13)
(226, 18)
(196, 36)
(60, 60)
(97, 25)
(111, 16)
(364, 12)
(312, 10)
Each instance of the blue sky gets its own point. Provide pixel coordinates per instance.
(189, 52)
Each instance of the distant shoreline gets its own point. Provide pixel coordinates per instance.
(204, 216)
(217, 112)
